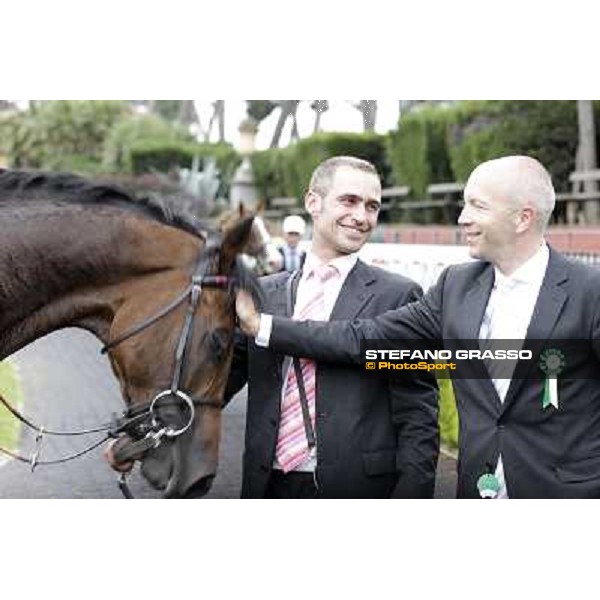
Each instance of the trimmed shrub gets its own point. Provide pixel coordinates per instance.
(544, 129)
(417, 150)
(407, 149)
(309, 152)
(448, 416)
(136, 130)
(287, 172)
(10, 388)
(269, 168)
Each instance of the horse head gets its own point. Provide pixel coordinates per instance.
(145, 278)
(173, 370)
(261, 253)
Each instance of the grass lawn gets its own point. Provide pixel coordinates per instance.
(448, 417)
(11, 390)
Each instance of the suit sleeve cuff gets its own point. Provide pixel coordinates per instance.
(264, 330)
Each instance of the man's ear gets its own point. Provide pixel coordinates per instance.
(312, 203)
(234, 242)
(525, 219)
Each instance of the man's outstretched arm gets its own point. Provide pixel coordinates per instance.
(340, 341)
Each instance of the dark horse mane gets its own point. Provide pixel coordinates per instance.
(66, 187)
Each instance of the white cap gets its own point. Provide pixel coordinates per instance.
(294, 224)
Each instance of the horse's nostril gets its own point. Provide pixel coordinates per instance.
(199, 488)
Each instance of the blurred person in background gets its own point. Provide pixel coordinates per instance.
(293, 256)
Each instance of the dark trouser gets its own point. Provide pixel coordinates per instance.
(296, 484)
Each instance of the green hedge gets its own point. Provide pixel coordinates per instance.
(309, 152)
(139, 129)
(544, 129)
(446, 143)
(269, 168)
(287, 172)
(418, 150)
(10, 388)
(448, 417)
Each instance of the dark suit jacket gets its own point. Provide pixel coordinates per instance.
(546, 453)
(369, 431)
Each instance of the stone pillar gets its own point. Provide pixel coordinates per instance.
(587, 155)
(242, 190)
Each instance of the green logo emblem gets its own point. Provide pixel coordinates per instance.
(552, 362)
(488, 486)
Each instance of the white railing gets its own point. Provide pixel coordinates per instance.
(421, 262)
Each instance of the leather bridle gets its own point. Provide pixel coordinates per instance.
(142, 422)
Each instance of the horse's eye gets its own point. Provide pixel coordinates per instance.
(218, 340)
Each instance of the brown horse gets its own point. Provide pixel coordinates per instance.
(75, 253)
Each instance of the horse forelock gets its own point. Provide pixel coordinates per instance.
(66, 187)
(248, 281)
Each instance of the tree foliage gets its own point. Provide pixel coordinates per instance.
(64, 134)
(418, 152)
(259, 110)
(135, 130)
(544, 129)
(287, 171)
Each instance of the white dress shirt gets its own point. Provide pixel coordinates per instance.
(333, 286)
(508, 314)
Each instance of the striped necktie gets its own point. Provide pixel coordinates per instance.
(292, 445)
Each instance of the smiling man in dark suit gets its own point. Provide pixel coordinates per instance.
(523, 436)
(323, 430)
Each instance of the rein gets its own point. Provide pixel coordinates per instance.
(142, 422)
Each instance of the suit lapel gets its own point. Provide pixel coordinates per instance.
(468, 323)
(472, 306)
(355, 293)
(548, 307)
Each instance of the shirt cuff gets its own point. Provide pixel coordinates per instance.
(264, 331)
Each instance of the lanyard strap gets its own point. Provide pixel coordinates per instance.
(290, 289)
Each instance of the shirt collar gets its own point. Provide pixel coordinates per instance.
(530, 272)
(342, 264)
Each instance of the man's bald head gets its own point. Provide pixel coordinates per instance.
(521, 181)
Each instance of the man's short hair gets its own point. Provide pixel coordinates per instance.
(323, 175)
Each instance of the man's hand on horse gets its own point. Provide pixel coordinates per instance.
(246, 312)
(121, 467)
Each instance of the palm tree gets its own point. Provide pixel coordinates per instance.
(368, 108)
(218, 115)
(288, 111)
(319, 106)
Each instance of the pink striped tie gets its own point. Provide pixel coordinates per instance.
(292, 446)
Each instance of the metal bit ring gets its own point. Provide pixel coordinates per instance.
(169, 431)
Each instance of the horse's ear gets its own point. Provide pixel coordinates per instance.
(260, 207)
(234, 242)
(242, 211)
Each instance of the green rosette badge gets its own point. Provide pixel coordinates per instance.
(552, 362)
(488, 486)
